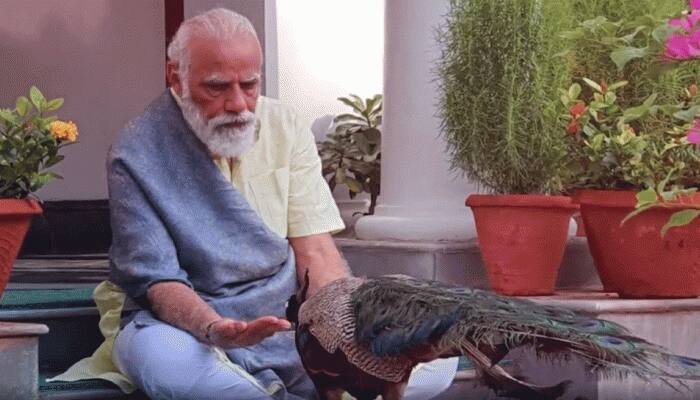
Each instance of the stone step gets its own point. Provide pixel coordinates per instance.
(455, 262)
(72, 320)
(672, 324)
(82, 390)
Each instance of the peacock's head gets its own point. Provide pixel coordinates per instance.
(294, 303)
(292, 311)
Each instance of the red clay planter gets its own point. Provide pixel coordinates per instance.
(522, 240)
(634, 260)
(15, 217)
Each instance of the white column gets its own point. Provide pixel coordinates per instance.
(420, 199)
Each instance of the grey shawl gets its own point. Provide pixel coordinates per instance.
(176, 218)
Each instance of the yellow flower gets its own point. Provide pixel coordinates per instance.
(64, 130)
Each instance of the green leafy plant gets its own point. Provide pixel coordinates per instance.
(634, 133)
(29, 143)
(634, 148)
(621, 40)
(351, 154)
(498, 89)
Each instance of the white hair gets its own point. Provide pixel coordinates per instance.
(227, 135)
(218, 23)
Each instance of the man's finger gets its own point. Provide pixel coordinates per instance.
(272, 320)
(273, 324)
(249, 333)
(228, 328)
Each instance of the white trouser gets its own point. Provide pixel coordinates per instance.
(169, 363)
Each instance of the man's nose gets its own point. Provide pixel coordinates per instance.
(235, 101)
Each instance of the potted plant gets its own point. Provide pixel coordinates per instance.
(351, 154)
(498, 89)
(29, 143)
(633, 145)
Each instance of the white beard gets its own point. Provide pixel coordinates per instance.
(221, 140)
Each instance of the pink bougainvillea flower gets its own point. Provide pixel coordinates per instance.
(694, 133)
(694, 4)
(688, 22)
(694, 39)
(693, 18)
(682, 23)
(681, 47)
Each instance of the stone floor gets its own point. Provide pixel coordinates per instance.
(467, 390)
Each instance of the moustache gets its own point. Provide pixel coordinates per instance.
(232, 121)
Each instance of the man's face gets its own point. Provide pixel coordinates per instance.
(221, 91)
(224, 76)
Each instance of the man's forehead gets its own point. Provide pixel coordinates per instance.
(222, 57)
(240, 43)
(216, 77)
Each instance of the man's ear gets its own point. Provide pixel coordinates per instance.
(173, 77)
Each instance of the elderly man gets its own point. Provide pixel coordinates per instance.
(218, 206)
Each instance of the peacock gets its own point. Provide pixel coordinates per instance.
(365, 335)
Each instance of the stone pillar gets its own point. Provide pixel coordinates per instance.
(420, 200)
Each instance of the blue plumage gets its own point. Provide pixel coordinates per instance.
(390, 342)
(397, 315)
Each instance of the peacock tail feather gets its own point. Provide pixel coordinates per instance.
(396, 313)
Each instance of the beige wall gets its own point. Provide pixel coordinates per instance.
(105, 57)
(323, 56)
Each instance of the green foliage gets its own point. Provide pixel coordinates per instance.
(680, 218)
(29, 143)
(351, 155)
(629, 147)
(620, 40)
(632, 134)
(499, 75)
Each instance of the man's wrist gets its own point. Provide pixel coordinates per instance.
(207, 330)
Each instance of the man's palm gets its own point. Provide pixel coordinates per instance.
(229, 333)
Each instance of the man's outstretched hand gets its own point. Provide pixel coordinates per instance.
(228, 333)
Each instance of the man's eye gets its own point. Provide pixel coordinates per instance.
(249, 85)
(217, 87)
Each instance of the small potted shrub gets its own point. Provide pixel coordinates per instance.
(29, 143)
(351, 154)
(634, 144)
(499, 79)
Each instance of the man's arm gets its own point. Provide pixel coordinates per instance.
(180, 306)
(319, 255)
(154, 276)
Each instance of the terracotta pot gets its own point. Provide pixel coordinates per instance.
(522, 240)
(634, 260)
(15, 217)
